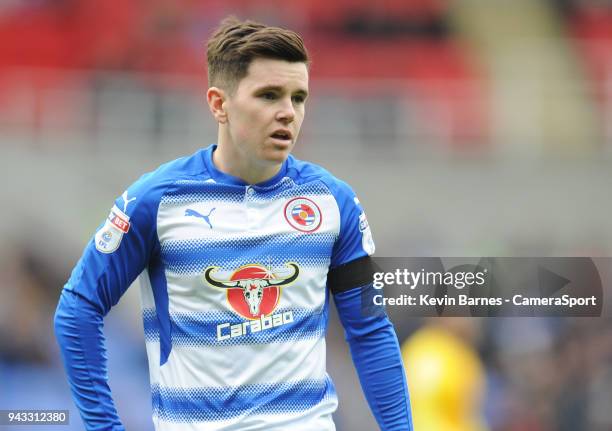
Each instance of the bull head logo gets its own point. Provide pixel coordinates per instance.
(254, 281)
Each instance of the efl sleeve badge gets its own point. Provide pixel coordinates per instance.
(108, 238)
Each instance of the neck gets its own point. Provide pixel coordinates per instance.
(231, 161)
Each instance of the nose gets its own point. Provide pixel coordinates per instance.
(286, 112)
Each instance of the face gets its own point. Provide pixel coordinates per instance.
(266, 110)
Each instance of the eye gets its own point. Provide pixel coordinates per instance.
(298, 99)
(268, 95)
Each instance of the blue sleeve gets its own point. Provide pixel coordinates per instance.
(355, 238)
(119, 251)
(377, 358)
(369, 333)
(78, 328)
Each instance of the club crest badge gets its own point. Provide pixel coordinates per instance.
(253, 290)
(303, 214)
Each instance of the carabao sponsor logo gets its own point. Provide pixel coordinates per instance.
(253, 291)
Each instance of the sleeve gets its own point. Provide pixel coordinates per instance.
(355, 237)
(113, 258)
(369, 332)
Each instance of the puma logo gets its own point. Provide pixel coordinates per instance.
(193, 213)
(126, 201)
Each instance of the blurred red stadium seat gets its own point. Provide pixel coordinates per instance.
(159, 36)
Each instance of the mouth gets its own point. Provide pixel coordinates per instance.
(282, 135)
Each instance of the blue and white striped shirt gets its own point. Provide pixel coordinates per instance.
(234, 294)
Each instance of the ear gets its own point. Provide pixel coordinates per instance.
(216, 98)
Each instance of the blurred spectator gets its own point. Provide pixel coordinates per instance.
(445, 376)
(26, 309)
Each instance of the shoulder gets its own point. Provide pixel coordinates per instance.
(152, 185)
(304, 172)
(354, 238)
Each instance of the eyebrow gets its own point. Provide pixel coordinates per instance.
(278, 88)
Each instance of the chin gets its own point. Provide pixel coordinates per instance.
(277, 160)
(276, 156)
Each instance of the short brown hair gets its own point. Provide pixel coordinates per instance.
(235, 44)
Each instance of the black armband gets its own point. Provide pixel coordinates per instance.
(356, 273)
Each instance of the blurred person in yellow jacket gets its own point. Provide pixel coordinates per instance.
(445, 376)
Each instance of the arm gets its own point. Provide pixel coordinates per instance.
(369, 333)
(78, 328)
(112, 260)
(374, 348)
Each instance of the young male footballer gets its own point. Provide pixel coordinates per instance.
(238, 249)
